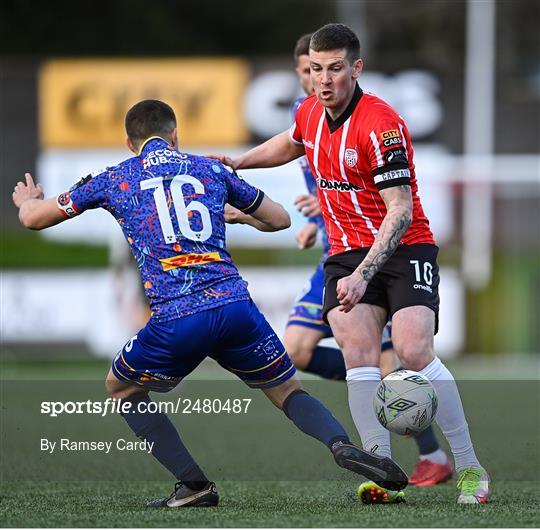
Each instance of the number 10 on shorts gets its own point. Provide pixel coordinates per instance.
(427, 269)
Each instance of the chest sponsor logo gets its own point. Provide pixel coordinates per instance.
(187, 260)
(338, 185)
(392, 133)
(351, 157)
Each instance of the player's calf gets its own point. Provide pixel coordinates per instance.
(156, 429)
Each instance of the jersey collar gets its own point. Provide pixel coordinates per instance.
(154, 142)
(334, 125)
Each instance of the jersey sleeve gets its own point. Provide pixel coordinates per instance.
(387, 153)
(88, 193)
(295, 132)
(242, 195)
(311, 185)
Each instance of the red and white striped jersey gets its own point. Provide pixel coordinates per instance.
(368, 148)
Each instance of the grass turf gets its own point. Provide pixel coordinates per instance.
(259, 504)
(30, 498)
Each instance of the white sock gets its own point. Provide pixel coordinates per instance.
(361, 383)
(437, 457)
(450, 416)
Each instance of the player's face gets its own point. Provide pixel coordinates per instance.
(304, 74)
(333, 78)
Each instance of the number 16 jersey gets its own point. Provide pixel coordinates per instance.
(170, 208)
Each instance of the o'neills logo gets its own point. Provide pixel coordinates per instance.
(186, 260)
(338, 185)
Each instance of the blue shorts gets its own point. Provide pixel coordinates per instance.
(307, 309)
(236, 335)
(386, 343)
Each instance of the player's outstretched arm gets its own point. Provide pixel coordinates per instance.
(398, 217)
(274, 152)
(307, 235)
(35, 212)
(308, 205)
(270, 216)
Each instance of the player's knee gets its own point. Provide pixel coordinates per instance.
(112, 387)
(300, 355)
(414, 354)
(300, 351)
(354, 355)
(118, 390)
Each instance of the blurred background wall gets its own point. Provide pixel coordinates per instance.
(464, 74)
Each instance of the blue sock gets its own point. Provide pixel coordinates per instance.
(168, 448)
(313, 418)
(426, 441)
(327, 362)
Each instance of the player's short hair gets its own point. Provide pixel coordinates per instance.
(336, 37)
(149, 117)
(302, 46)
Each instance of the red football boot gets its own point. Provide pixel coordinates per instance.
(428, 473)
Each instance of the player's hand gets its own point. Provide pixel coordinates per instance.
(308, 205)
(225, 160)
(232, 215)
(350, 290)
(24, 192)
(307, 236)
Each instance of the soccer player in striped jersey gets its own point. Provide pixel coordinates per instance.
(170, 206)
(383, 257)
(306, 327)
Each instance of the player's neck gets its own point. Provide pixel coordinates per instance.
(339, 118)
(335, 113)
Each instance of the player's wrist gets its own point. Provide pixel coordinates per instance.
(363, 273)
(25, 202)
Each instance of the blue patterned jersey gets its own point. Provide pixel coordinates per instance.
(311, 185)
(170, 207)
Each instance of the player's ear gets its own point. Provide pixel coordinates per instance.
(357, 68)
(174, 138)
(130, 145)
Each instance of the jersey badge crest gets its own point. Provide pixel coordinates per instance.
(351, 157)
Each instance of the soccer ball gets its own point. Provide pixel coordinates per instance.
(405, 402)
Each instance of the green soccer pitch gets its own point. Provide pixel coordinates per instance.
(268, 475)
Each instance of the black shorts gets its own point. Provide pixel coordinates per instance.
(410, 277)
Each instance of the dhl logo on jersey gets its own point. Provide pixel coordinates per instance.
(186, 260)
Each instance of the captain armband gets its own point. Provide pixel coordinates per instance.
(66, 206)
(389, 177)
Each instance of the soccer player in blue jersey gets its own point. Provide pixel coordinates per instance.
(170, 206)
(306, 327)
